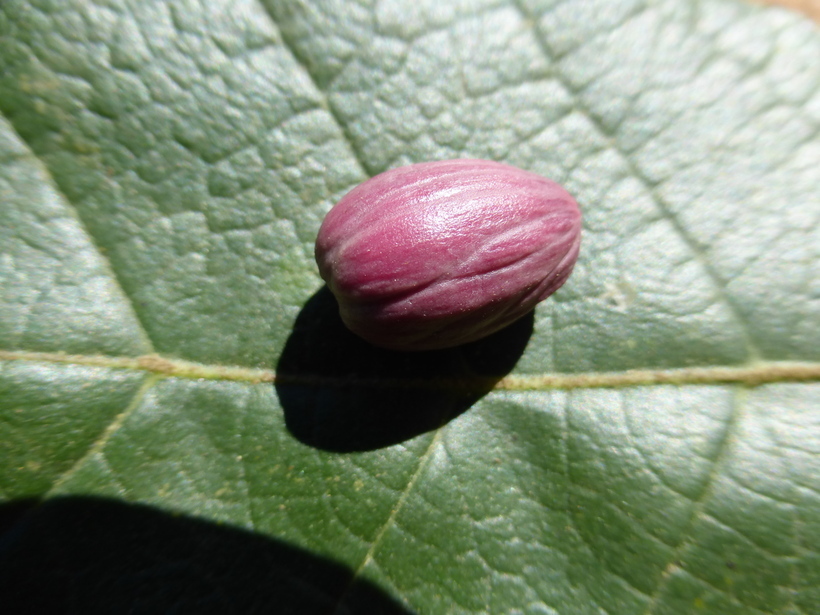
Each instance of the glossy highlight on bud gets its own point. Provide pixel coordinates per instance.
(438, 254)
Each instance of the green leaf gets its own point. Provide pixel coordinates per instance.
(186, 426)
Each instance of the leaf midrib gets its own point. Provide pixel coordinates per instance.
(751, 374)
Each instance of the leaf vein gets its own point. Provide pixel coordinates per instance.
(723, 446)
(391, 519)
(113, 427)
(293, 49)
(752, 375)
(147, 343)
(651, 187)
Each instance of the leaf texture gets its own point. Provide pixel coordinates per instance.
(178, 392)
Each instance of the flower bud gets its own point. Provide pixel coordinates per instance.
(437, 254)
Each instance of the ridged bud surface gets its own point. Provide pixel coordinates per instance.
(437, 254)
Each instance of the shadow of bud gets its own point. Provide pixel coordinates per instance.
(340, 393)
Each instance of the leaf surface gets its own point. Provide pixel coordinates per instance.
(164, 167)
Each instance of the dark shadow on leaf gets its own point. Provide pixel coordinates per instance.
(12, 512)
(340, 393)
(88, 555)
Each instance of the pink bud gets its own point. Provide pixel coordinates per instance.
(437, 254)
